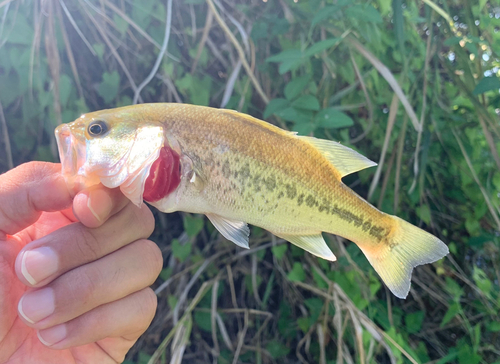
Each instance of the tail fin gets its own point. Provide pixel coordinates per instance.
(409, 246)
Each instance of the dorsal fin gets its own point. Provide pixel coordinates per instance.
(344, 159)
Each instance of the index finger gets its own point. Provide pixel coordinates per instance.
(28, 190)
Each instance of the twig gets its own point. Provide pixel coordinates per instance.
(401, 143)
(387, 74)
(6, 140)
(241, 341)
(474, 175)
(204, 37)
(73, 23)
(240, 51)
(390, 123)
(368, 102)
(422, 114)
(160, 56)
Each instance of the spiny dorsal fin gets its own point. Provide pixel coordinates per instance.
(235, 231)
(314, 244)
(344, 159)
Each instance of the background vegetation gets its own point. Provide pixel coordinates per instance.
(412, 84)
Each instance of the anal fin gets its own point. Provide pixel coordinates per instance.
(314, 244)
(235, 231)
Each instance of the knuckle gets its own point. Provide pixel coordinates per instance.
(86, 242)
(143, 218)
(88, 282)
(154, 257)
(148, 303)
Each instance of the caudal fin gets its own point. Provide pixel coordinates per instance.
(408, 247)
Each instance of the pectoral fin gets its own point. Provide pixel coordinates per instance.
(236, 231)
(314, 244)
(343, 158)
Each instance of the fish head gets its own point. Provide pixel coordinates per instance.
(114, 147)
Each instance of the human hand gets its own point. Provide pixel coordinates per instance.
(74, 279)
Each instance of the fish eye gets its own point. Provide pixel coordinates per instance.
(97, 128)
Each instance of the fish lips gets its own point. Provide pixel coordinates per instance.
(73, 155)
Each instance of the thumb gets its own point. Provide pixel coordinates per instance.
(26, 191)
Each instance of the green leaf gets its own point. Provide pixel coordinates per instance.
(364, 13)
(424, 213)
(181, 252)
(193, 225)
(493, 326)
(296, 86)
(321, 46)
(331, 118)
(277, 350)
(414, 321)
(297, 273)
(487, 84)
(306, 102)
(298, 116)
(482, 281)
(324, 13)
(453, 310)
(274, 106)
(452, 41)
(304, 129)
(285, 56)
(108, 89)
(279, 250)
(203, 320)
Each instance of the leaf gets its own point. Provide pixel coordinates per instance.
(487, 84)
(414, 321)
(493, 326)
(277, 350)
(324, 13)
(298, 116)
(331, 118)
(279, 250)
(321, 46)
(203, 320)
(364, 13)
(179, 251)
(297, 273)
(482, 281)
(452, 41)
(285, 56)
(424, 213)
(296, 86)
(453, 310)
(274, 106)
(108, 89)
(193, 225)
(306, 102)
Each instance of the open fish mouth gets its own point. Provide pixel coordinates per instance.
(73, 155)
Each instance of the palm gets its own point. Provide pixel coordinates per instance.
(21, 340)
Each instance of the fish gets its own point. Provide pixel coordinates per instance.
(239, 170)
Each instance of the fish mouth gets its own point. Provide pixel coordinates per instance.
(73, 155)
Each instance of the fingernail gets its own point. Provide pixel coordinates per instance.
(37, 305)
(99, 203)
(38, 264)
(53, 335)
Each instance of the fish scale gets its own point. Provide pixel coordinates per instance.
(237, 170)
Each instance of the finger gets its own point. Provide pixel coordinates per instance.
(95, 205)
(71, 246)
(128, 317)
(108, 279)
(28, 190)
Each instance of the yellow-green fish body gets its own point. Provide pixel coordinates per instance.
(237, 169)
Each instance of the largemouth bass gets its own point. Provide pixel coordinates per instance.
(237, 169)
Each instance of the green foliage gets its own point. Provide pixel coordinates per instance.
(316, 63)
